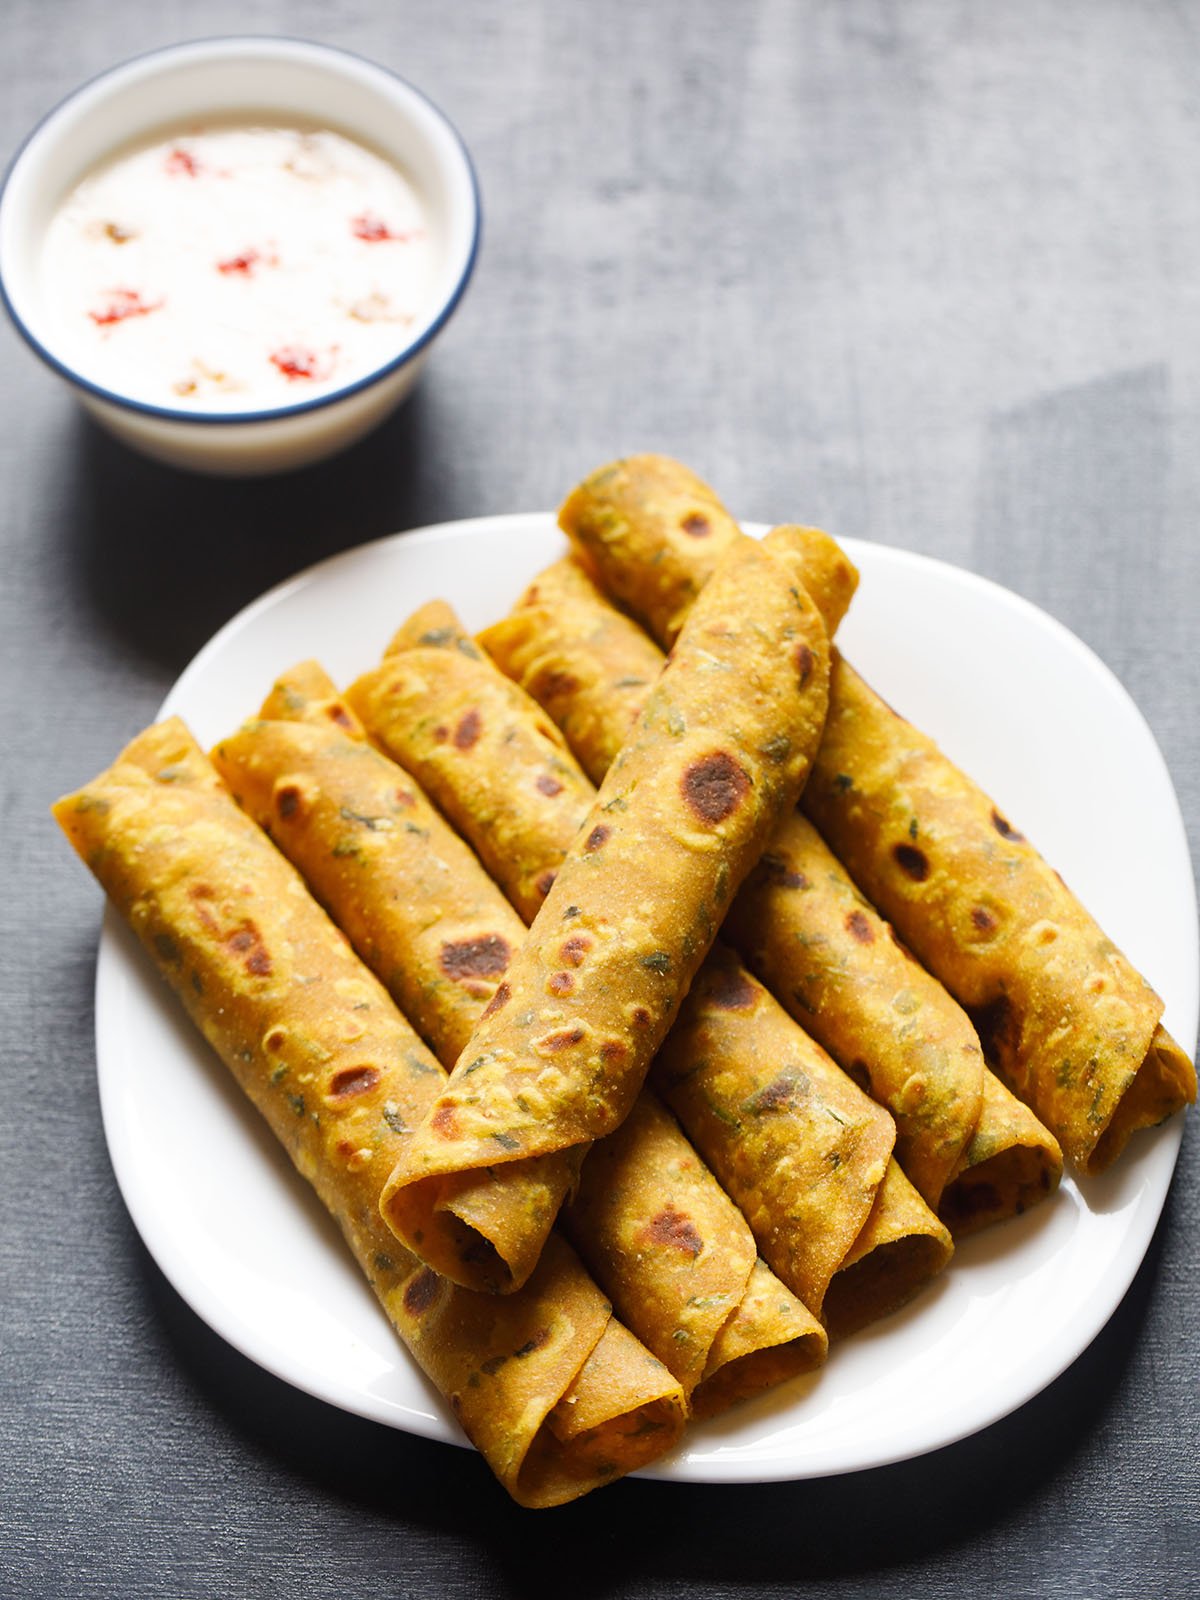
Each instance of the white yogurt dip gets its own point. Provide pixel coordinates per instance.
(237, 267)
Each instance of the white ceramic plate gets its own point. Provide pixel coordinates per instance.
(1015, 698)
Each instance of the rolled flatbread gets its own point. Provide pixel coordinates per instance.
(718, 753)
(667, 1246)
(798, 1146)
(459, 732)
(652, 534)
(803, 927)
(974, 1153)
(554, 1392)
(1063, 1016)
(809, 1189)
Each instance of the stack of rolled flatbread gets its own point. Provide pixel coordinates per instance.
(645, 1022)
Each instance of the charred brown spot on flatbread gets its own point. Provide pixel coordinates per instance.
(562, 1039)
(911, 861)
(421, 1292)
(858, 924)
(198, 894)
(441, 733)
(696, 525)
(641, 1017)
(485, 957)
(983, 920)
(338, 713)
(555, 683)
(714, 787)
(287, 800)
(466, 734)
(732, 990)
(778, 1095)
(247, 942)
(805, 662)
(777, 870)
(544, 881)
(675, 1230)
(613, 1050)
(405, 797)
(574, 949)
(597, 837)
(534, 1342)
(501, 998)
(560, 983)
(351, 1081)
(445, 1122)
(1005, 828)
(548, 785)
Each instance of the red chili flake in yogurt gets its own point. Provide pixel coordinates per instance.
(181, 163)
(122, 304)
(245, 263)
(296, 362)
(374, 230)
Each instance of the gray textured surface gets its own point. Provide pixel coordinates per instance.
(924, 273)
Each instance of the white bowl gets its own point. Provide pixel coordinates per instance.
(219, 78)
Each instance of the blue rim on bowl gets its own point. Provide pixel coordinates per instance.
(261, 43)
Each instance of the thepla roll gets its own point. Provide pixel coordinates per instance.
(974, 1153)
(813, 1173)
(608, 513)
(428, 708)
(421, 912)
(681, 1264)
(555, 1393)
(800, 1148)
(586, 664)
(590, 667)
(666, 1244)
(652, 534)
(1063, 1016)
(718, 754)
(409, 894)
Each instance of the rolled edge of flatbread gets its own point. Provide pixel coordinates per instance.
(800, 1148)
(656, 1229)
